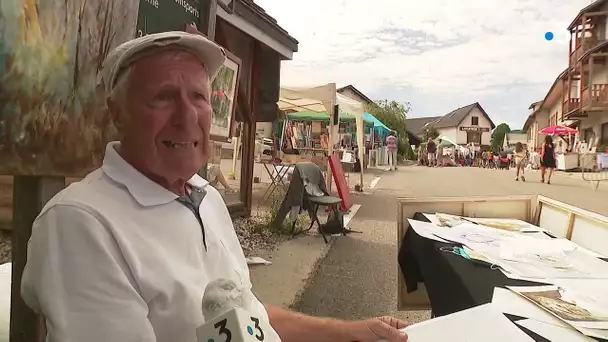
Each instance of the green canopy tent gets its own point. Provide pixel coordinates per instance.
(323, 116)
(444, 143)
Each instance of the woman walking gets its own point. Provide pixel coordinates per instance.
(547, 159)
(521, 156)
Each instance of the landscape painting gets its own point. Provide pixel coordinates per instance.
(53, 117)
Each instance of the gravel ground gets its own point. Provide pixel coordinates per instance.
(253, 242)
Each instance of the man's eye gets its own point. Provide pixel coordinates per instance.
(162, 97)
(200, 96)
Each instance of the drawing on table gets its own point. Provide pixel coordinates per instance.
(448, 220)
(567, 309)
(503, 224)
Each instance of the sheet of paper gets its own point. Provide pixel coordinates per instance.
(509, 302)
(489, 325)
(583, 266)
(426, 230)
(580, 310)
(554, 333)
(5, 300)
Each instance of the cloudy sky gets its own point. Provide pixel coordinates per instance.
(436, 54)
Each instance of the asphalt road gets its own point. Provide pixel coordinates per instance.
(358, 278)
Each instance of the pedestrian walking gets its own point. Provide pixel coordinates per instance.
(547, 159)
(391, 147)
(439, 153)
(431, 149)
(521, 156)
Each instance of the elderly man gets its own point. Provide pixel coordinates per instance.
(126, 253)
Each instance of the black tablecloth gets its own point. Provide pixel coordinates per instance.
(452, 282)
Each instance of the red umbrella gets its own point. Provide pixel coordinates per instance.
(558, 130)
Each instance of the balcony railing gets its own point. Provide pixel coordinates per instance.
(583, 46)
(595, 96)
(571, 104)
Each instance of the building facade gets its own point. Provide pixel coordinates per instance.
(465, 125)
(585, 101)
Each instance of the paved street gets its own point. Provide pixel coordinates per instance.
(358, 278)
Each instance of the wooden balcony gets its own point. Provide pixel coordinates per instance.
(595, 97)
(571, 105)
(582, 47)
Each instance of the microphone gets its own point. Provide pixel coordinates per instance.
(226, 320)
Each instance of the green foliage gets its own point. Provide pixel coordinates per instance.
(404, 149)
(498, 136)
(392, 114)
(430, 133)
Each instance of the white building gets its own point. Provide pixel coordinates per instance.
(468, 124)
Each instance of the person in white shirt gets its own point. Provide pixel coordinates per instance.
(126, 253)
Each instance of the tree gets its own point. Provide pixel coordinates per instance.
(431, 133)
(498, 136)
(393, 115)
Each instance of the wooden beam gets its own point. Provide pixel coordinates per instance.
(30, 194)
(600, 54)
(245, 105)
(595, 14)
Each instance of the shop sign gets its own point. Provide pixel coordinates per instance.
(474, 129)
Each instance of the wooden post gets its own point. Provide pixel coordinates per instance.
(591, 60)
(30, 194)
(208, 9)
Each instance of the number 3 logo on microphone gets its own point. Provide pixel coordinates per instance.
(253, 329)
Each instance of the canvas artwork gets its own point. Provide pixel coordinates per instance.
(223, 98)
(53, 118)
(568, 306)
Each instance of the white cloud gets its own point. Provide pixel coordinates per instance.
(460, 51)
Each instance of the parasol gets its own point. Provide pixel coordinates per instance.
(558, 130)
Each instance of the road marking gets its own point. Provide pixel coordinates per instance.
(351, 213)
(374, 182)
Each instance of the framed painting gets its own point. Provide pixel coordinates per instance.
(224, 90)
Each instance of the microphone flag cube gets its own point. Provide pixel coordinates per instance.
(236, 325)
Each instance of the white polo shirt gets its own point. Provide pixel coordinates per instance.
(115, 257)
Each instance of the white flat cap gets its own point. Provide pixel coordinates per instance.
(212, 56)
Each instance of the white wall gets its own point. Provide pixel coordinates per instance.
(541, 120)
(555, 110)
(461, 136)
(449, 133)
(594, 121)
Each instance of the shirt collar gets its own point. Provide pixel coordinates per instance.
(145, 191)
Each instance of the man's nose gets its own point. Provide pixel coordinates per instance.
(186, 113)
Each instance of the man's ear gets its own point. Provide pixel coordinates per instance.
(115, 113)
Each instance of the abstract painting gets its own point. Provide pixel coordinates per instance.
(53, 118)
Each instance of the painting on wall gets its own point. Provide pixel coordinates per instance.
(223, 98)
(53, 117)
(224, 90)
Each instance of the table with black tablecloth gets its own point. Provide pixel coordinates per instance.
(452, 282)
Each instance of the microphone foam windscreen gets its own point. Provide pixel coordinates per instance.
(221, 296)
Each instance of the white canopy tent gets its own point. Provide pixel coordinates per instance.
(322, 99)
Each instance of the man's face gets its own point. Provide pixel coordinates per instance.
(166, 119)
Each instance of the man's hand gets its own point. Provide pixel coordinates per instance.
(377, 329)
